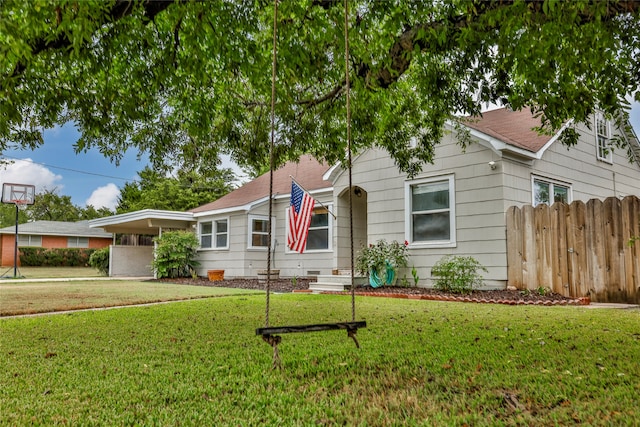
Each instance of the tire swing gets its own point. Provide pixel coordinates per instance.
(270, 333)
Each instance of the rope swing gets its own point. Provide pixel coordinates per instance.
(268, 333)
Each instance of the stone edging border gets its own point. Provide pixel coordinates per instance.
(576, 301)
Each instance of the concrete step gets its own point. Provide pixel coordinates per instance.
(335, 283)
(344, 279)
(326, 287)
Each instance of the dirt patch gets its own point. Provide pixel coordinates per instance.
(301, 284)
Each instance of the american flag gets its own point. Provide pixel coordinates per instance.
(299, 218)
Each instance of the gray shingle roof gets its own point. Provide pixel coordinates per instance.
(57, 228)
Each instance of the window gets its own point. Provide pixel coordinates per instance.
(221, 233)
(549, 192)
(206, 232)
(258, 231)
(77, 242)
(431, 212)
(319, 237)
(318, 230)
(603, 139)
(214, 234)
(29, 240)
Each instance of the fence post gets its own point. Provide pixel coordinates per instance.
(559, 254)
(514, 247)
(576, 242)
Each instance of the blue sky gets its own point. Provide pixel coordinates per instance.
(90, 178)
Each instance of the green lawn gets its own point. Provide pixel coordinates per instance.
(49, 272)
(420, 363)
(23, 297)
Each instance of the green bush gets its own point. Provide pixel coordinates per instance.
(457, 274)
(99, 260)
(55, 257)
(175, 253)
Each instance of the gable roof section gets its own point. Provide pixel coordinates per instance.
(57, 228)
(308, 172)
(514, 128)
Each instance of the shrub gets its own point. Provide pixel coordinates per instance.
(56, 257)
(382, 256)
(457, 274)
(100, 260)
(175, 253)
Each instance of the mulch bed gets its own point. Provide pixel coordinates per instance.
(302, 284)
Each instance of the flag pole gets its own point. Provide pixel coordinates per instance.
(317, 201)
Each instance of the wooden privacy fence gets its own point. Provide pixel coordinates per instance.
(577, 250)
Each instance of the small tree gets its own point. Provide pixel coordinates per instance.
(175, 253)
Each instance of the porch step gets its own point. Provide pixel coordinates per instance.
(334, 283)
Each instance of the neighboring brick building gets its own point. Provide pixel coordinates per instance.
(51, 234)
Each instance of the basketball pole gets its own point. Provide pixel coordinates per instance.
(18, 194)
(15, 248)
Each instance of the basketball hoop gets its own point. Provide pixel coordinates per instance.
(20, 204)
(19, 195)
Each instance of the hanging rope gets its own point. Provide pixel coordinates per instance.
(268, 334)
(347, 94)
(272, 340)
(271, 155)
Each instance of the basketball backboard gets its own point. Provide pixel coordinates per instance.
(18, 194)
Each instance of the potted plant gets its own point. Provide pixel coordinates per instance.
(381, 262)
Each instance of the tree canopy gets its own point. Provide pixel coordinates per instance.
(50, 206)
(186, 81)
(185, 191)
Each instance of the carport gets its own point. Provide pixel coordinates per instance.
(127, 260)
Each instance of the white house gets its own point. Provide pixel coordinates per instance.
(456, 205)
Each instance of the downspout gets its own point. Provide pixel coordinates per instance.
(273, 255)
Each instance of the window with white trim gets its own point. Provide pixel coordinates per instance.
(603, 139)
(214, 234)
(550, 191)
(221, 233)
(29, 240)
(259, 232)
(430, 211)
(77, 242)
(320, 236)
(206, 235)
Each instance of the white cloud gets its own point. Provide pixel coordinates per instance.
(106, 196)
(26, 172)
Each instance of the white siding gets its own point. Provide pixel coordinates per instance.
(578, 165)
(482, 196)
(479, 206)
(241, 261)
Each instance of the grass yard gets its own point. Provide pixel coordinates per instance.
(421, 363)
(49, 272)
(40, 297)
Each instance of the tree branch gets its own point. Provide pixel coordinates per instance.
(120, 9)
(402, 51)
(333, 93)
